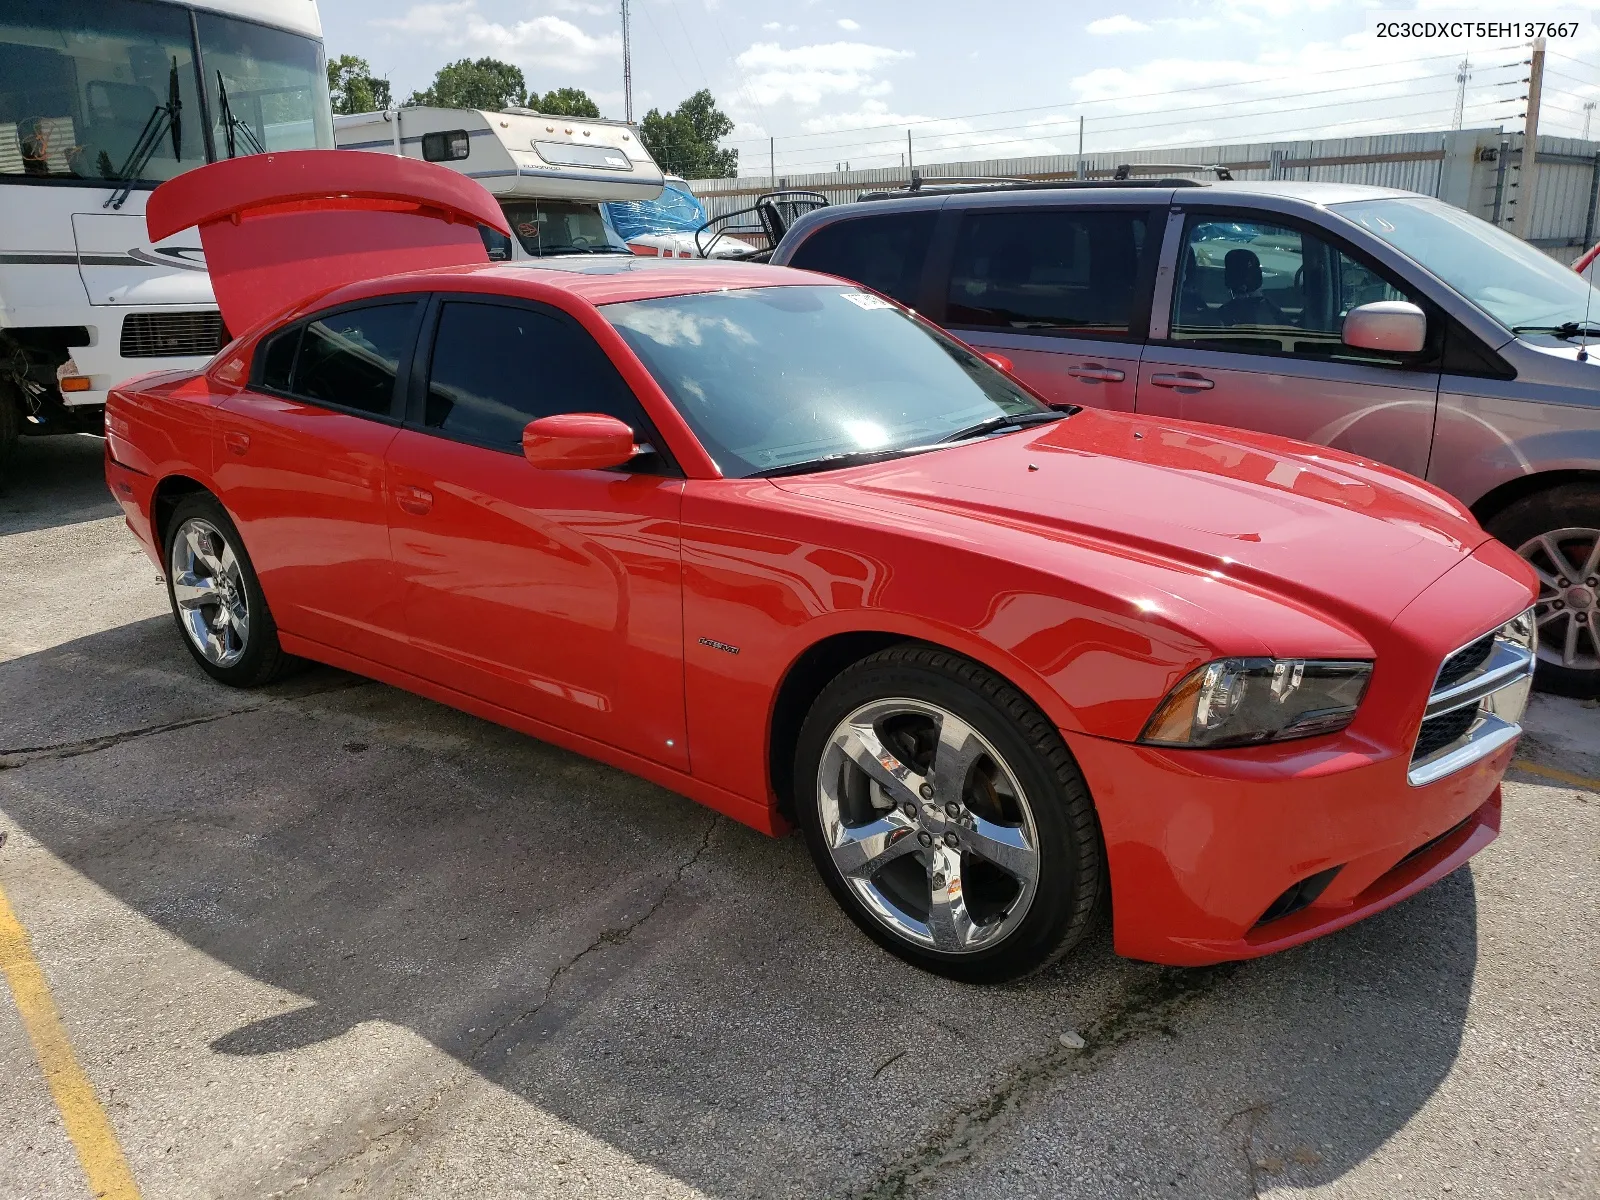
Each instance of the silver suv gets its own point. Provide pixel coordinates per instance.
(1380, 322)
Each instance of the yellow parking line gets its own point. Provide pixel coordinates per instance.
(86, 1122)
(1556, 774)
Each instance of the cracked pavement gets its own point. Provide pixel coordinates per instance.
(331, 939)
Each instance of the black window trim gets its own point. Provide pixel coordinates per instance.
(661, 463)
(403, 368)
(942, 254)
(920, 291)
(1429, 361)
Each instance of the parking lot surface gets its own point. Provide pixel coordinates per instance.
(332, 939)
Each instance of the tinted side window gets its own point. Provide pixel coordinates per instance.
(1252, 286)
(886, 253)
(495, 368)
(350, 358)
(1030, 270)
(277, 359)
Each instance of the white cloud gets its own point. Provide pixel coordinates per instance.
(806, 74)
(847, 23)
(1121, 23)
(544, 41)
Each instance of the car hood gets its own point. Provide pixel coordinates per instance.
(1341, 534)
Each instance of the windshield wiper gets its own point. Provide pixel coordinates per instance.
(832, 462)
(233, 128)
(994, 424)
(163, 118)
(1569, 329)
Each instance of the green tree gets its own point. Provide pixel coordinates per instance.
(684, 141)
(485, 83)
(354, 88)
(565, 102)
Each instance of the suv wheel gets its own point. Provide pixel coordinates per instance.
(947, 816)
(1558, 533)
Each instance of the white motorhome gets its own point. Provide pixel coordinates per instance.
(100, 101)
(550, 173)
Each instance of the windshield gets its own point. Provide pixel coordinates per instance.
(82, 80)
(1503, 275)
(546, 227)
(774, 376)
(268, 89)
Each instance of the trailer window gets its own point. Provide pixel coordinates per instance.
(81, 81)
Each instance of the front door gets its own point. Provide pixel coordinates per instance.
(1062, 292)
(556, 594)
(300, 466)
(1253, 340)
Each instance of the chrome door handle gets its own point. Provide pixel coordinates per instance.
(1184, 381)
(1096, 374)
(414, 500)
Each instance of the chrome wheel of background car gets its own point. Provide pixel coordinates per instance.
(1567, 562)
(208, 590)
(928, 825)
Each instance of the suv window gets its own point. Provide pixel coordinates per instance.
(350, 359)
(496, 367)
(884, 252)
(1043, 270)
(1254, 287)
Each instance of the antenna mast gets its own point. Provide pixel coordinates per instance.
(1463, 74)
(627, 68)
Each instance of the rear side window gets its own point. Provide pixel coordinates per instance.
(495, 368)
(277, 359)
(886, 253)
(350, 359)
(1031, 270)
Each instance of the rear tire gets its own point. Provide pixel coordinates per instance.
(10, 425)
(216, 598)
(947, 817)
(1558, 532)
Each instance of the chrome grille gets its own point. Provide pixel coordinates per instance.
(173, 335)
(1476, 703)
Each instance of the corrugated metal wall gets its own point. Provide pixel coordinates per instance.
(1465, 167)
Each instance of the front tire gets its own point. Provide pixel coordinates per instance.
(216, 598)
(947, 817)
(1558, 532)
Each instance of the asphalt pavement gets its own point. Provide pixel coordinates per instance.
(331, 939)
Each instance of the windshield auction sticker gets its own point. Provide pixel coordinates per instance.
(866, 300)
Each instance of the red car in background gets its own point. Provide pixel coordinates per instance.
(771, 541)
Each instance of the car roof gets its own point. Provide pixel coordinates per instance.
(1145, 191)
(607, 280)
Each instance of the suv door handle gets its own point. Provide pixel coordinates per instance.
(1185, 381)
(414, 500)
(1097, 374)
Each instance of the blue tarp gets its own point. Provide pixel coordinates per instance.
(676, 210)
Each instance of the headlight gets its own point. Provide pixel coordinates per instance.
(1242, 701)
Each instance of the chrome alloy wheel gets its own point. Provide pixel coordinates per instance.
(928, 825)
(208, 589)
(1567, 562)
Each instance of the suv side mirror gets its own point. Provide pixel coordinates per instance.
(577, 442)
(1396, 326)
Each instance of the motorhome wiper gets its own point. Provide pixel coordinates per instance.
(164, 118)
(1569, 329)
(995, 424)
(233, 129)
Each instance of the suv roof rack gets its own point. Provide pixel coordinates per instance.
(1125, 170)
(964, 185)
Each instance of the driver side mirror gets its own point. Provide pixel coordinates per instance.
(1395, 326)
(998, 361)
(577, 442)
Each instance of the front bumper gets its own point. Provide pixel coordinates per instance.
(1200, 844)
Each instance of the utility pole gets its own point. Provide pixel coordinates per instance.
(1530, 143)
(1080, 135)
(627, 68)
(910, 164)
(1463, 74)
(1588, 112)
(772, 159)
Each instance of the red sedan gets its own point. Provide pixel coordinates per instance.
(773, 542)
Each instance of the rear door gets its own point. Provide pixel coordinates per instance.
(1248, 333)
(300, 466)
(556, 594)
(1062, 291)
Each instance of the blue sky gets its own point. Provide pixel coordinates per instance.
(842, 80)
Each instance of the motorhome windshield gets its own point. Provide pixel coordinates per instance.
(109, 90)
(546, 227)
